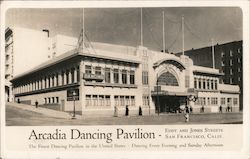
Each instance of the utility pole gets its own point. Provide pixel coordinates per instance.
(158, 100)
(141, 29)
(213, 52)
(83, 29)
(183, 40)
(163, 31)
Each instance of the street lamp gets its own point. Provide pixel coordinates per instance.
(74, 109)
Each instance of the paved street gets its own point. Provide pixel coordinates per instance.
(22, 117)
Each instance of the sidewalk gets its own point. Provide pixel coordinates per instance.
(44, 111)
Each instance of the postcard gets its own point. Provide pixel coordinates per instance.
(125, 79)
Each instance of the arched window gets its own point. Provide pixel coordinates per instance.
(167, 79)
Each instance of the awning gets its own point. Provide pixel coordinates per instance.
(168, 93)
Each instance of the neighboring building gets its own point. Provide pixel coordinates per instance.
(98, 82)
(24, 49)
(228, 59)
(27, 48)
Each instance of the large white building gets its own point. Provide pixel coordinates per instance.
(27, 48)
(119, 76)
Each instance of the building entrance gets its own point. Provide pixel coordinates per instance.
(169, 104)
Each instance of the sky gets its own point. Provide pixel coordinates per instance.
(122, 25)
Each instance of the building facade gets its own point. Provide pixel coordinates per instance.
(228, 60)
(100, 82)
(43, 48)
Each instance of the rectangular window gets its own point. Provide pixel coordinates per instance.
(53, 84)
(195, 82)
(239, 60)
(223, 101)
(208, 84)
(88, 100)
(116, 76)
(95, 100)
(231, 71)
(107, 100)
(88, 69)
(116, 101)
(199, 83)
(144, 77)
(122, 100)
(124, 76)
(132, 100)
(127, 100)
(212, 84)
(208, 101)
(67, 77)
(101, 100)
(231, 80)
(145, 100)
(57, 99)
(98, 70)
(215, 85)
(239, 69)
(235, 101)
(222, 54)
(107, 75)
(222, 63)
(204, 84)
(231, 52)
(45, 100)
(238, 50)
(231, 62)
(132, 77)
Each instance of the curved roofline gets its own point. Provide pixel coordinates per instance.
(171, 60)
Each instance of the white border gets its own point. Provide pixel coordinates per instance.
(244, 5)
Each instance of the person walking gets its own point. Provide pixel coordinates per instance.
(36, 103)
(220, 109)
(140, 111)
(126, 111)
(115, 111)
(186, 114)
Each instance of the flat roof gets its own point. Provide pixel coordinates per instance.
(69, 55)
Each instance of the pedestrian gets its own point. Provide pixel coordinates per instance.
(228, 108)
(18, 100)
(186, 114)
(140, 111)
(116, 112)
(36, 103)
(220, 108)
(126, 111)
(202, 109)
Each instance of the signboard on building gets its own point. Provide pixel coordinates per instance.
(72, 94)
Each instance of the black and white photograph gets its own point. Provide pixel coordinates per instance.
(123, 66)
(124, 79)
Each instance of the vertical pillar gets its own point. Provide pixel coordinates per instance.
(43, 83)
(47, 82)
(55, 80)
(111, 75)
(128, 77)
(70, 77)
(120, 76)
(65, 78)
(59, 79)
(75, 74)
